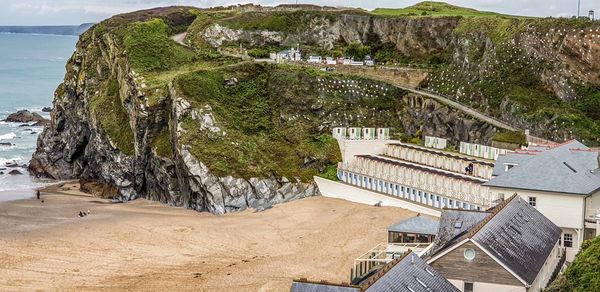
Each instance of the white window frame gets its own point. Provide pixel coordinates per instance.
(534, 201)
(564, 239)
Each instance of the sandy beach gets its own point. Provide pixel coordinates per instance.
(148, 246)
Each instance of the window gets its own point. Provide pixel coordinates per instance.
(451, 202)
(568, 240)
(469, 254)
(508, 166)
(468, 287)
(533, 201)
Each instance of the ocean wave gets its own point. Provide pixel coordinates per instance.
(8, 136)
(4, 161)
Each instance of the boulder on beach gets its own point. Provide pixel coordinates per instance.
(15, 172)
(25, 116)
(46, 109)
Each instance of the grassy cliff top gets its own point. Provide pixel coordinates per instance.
(433, 8)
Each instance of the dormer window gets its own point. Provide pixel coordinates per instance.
(508, 166)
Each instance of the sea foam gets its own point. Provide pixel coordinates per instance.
(8, 136)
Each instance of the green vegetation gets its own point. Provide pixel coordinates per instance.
(584, 273)
(270, 120)
(499, 29)
(432, 8)
(517, 137)
(255, 142)
(162, 143)
(281, 21)
(330, 173)
(150, 49)
(357, 51)
(108, 109)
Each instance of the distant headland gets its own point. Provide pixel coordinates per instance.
(57, 30)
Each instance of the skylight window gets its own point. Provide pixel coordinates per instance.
(458, 224)
(570, 167)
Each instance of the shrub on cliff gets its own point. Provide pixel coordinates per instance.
(150, 49)
(583, 274)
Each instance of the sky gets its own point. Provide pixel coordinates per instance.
(60, 12)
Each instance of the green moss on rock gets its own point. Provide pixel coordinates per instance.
(108, 109)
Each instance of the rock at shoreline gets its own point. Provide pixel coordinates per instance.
(46, 109)
(15, 172)
(97, 189)
(25, 116)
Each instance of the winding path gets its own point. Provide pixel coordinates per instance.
(180, 39)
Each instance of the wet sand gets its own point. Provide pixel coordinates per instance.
(148, 246)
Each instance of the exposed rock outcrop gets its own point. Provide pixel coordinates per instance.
(25, 116)
(75, 146)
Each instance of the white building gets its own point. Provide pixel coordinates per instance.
(562, 182)
(369, 61)
(291, 55)
(512, 247)
(482, 151)
(315, 59)
(330, 61)
(431, 178)
(340, 133)
(435, 142)
(383, 133)
(368, 133)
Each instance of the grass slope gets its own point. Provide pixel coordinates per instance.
(273, 120)
(432, 8)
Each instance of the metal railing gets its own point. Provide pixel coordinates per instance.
(558, 268)
(380, 255)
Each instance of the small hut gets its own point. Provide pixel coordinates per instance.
(340, 133)
(369, 133)
(383, 133)
(418, 229)
(354, 133)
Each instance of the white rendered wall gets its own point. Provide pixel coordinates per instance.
(564, 210)
(346, 192)
(488, 287)
(350, 148)
(541, 281)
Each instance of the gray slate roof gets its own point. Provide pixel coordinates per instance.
(298, 286)
(520, 237)
(418, 224)
(567, 168)
(449, 232)
(514, 232)
(410, 273)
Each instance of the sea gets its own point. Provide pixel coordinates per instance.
(31, 67)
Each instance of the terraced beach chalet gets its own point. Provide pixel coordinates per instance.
(427, 177)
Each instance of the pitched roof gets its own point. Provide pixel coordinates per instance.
(570, 168)
(516, 234)
(306, 286)
(453, 223)
(418, 224)
(520, 237)
(408, 273)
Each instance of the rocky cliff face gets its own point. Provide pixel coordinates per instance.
(76, 144)
(142, 116)
(517, 70)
